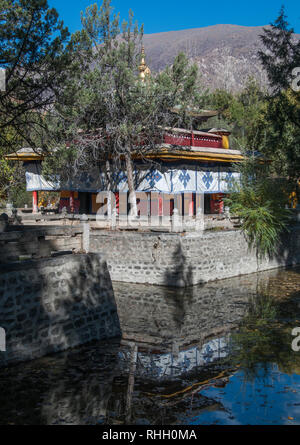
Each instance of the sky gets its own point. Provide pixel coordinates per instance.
(173, 15)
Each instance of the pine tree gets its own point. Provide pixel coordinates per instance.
(36, 54)
(111, 114)
(281, 54)
(280, 58)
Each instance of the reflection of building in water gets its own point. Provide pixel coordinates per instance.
(180, 334)
(168, 364)
(163, 316)
(89, 389)
(180, 330)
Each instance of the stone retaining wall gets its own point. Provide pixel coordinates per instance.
(38, 242)
(53, 304)
(186, 259)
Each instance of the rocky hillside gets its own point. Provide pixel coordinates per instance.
(226, 54)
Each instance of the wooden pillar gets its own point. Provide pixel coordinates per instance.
(160, 205)
(35, 207)
(192, 208)
(188, 205)
(117, 195)
(72, 208)
(154, 208)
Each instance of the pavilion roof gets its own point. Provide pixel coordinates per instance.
(196, 113)
(169, 152)
(26, 154)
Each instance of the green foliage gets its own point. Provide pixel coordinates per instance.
(37, 56)
(260, 124)
(12, 184)
(282, 140)
(9, 171)
(281, 53)
(262, 339)
(19, 196)
(264, 124)
(6, 175)
(280, 57)
(60, 161)
(259, 201)
(262, 310)
(243, 113)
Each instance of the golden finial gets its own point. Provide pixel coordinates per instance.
(144, 69)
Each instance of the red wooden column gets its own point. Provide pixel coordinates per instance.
(35, 208)
(191, 205)
(160, 206)
(72, 206)
(117, 195)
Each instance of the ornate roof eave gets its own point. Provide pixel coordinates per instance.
(197, 114)
(168, 152)
(195, 132)
(25, 155)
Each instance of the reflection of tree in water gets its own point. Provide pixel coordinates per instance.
(264, 335)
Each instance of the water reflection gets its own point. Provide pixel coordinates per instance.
(218, 353)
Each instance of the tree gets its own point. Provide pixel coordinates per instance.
(281, 53)
(109, 113)
(243, 113)
(281, 142)
(268, 121)
(279, 58)
(37, 57)
(11, 173)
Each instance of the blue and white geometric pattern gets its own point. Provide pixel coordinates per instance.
(227, 180)
(169, 364)
(184, 178)
(230, 180)
(207, 179)
(153, 177)
(171, 179)
(119, 177)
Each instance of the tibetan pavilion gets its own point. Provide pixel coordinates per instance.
(187, 162)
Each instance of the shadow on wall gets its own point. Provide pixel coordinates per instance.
(182, 274)
(288, 253)
(33, 242)
(53, 304)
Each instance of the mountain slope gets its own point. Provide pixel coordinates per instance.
(226, 54)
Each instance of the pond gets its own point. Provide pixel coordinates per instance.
(220, 353)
